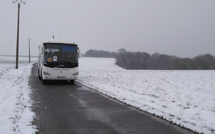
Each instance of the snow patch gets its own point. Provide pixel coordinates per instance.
(15, 103)
(185, 98)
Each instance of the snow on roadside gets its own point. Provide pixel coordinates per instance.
(186, 98)
(15, 104)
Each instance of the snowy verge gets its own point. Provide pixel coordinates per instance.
(15, 104)
(185, 98)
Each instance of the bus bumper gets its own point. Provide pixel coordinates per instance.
(60, 73)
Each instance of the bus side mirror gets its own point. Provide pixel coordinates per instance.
(79, 53)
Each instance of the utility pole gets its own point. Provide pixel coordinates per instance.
(29, 42)
(17, 41)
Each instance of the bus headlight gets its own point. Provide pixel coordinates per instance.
(75, 74)
(46, 73)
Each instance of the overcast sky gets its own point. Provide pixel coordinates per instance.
(184, 28)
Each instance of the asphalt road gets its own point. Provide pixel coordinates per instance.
(62, 108)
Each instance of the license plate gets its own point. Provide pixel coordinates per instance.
(61, 77)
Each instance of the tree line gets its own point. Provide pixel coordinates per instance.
(99, 53)
(156, 61)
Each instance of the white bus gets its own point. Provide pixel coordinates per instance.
(58, 61)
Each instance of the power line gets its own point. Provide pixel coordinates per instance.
(27, 22)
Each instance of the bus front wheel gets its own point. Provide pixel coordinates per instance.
(39, 75)
(72, 81)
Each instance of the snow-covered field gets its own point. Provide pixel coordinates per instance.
(15, 105)
(186, 98)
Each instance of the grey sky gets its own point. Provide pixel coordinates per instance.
(184, 28)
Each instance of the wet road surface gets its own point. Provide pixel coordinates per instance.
(64, 108)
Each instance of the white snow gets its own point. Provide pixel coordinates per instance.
(15, 104)
(186, 98)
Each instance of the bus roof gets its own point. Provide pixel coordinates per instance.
(60, 42)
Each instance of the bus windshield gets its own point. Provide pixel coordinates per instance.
(60, 55)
